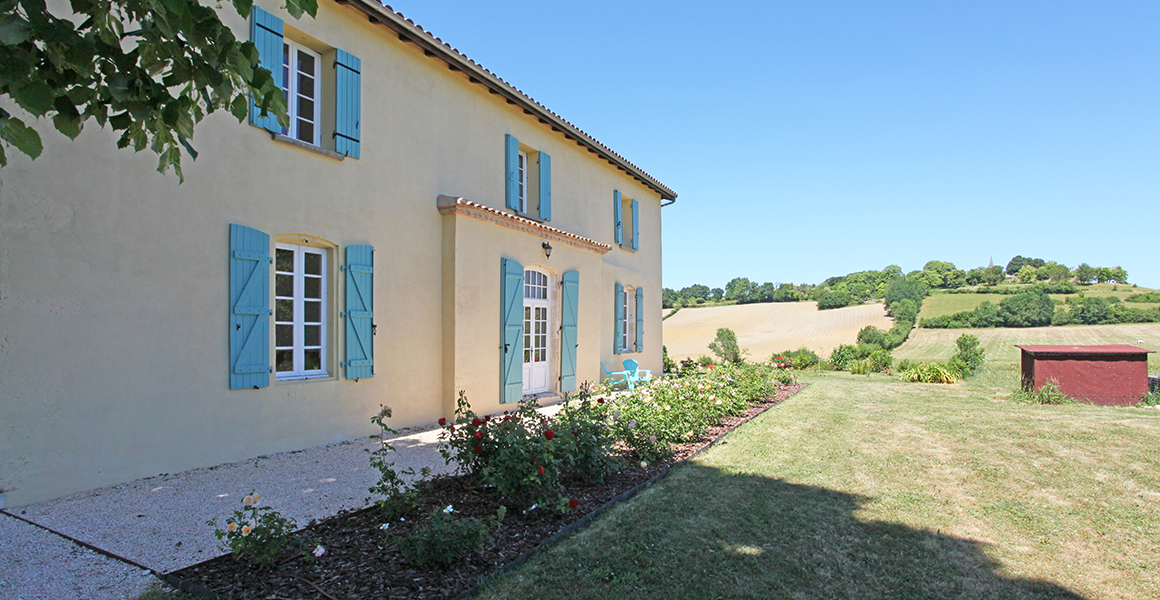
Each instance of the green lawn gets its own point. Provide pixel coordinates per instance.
(999, 343)
(865, 487)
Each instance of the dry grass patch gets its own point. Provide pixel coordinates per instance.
(765, 328)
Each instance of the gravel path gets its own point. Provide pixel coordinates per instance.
(36, 564)
(160, 522)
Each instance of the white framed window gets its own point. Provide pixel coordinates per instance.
(301, 86)
(300, 310)
(523, 173)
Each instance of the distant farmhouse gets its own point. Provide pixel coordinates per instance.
(421, 227)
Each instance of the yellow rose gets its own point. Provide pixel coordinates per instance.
(232, 527)
(246, 531)
(247, 500)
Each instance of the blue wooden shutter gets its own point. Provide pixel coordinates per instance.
(545, 186)
(249, 308)
(266, 33)
(617, 216)
(568, 332)
(635, 225)
(618, 322)
(639, 320)
(511, 373)
(347, 103)
(512, 160)
(360, 312)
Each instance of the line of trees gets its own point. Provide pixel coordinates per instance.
(864, 286)
(1034, 308)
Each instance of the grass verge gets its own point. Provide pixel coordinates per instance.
(872, 488)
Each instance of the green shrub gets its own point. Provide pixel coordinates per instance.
(871, 335)
(802, 358)
(880, 360)
(725, 346)
(705, 361)
(668, 365)
(835, 299)
(1027, 309)
(906, 364)
(516, 453)
(1152, 399)
(256, 534)
(928, 373)
(861, 366)
(1048, 393)
(397, 499)
(1144, 297)
(842, 356)
(585, 440)
(969, 358)
(445, 538)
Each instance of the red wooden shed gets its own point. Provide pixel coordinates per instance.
(1106, 375)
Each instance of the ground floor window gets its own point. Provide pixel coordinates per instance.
(300, 310)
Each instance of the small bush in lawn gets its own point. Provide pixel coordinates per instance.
(256, 534)
(725, 346)
(1048, 393)
(802, 358)
(880, 360)
(445, 538)
(969, 358)
(928, 373)
(515, 452)
(842, 356)
(861, 367)
(667, 364)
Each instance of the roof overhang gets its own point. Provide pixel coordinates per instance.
(436, 48)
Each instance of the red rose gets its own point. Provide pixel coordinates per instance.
(573, 503)
(710, 366)
(451, 427)
(477, 449)
(487, 419)
(548, 433)
(600, 400)
(476, 421)
(442, 421)
(479, 435)
(541, 469)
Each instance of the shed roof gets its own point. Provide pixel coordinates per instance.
(409, 31)
(1101, 349)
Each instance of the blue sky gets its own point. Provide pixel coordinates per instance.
(812, 139)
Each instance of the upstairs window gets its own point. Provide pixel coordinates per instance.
(528, 188)
(302, 88)
(626, 217)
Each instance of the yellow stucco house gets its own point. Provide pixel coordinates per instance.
(421, 228)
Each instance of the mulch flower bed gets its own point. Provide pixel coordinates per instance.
(361, 560)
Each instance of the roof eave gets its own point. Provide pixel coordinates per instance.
(432, 46)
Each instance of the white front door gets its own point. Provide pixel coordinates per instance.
(536, 360)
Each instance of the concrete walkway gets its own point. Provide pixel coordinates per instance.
(159, 523)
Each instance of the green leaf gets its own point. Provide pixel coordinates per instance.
(34, 96)
(244, 7)
(121, 120)
(240, 107)
(24, 138)
(70, 126)
(188, 147)
(13, 31)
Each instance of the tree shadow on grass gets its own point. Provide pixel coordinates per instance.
(706, 533)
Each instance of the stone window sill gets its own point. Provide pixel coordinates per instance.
(277, 137)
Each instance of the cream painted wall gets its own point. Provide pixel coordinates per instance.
(114, 279)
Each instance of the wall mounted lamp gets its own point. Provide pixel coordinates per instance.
(547, 249)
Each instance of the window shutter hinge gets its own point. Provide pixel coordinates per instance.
(342, 268)
(374, 329)
(269, 369)
(270, 312)
(270, 259)
(342, 314)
